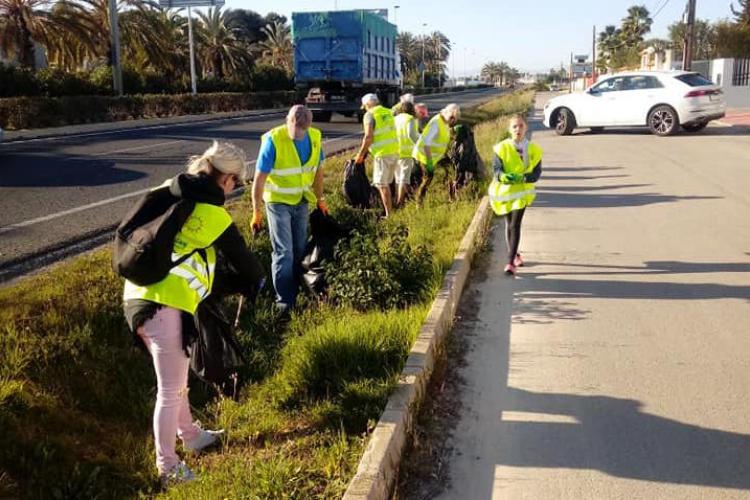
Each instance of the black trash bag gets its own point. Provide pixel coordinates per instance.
(325, 232)
(464, 156)
(215, 353)
(356, 186)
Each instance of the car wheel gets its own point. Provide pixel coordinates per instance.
(566, 122)
(694, 127)
(596, 130)
(663, 120)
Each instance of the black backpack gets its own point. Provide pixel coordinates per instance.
(142, 249)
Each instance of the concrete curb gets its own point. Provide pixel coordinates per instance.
(378, 469)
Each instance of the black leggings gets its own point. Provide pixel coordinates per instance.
(513, 232)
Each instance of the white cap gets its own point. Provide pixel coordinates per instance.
(407, 98)
(368, 98)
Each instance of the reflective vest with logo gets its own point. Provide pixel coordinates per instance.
(290, 180)
(404, 124)
(189, 283)
(505, 198)
(384, 142)
(438, 145)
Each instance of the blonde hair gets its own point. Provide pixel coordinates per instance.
(520, 117)
(225, 157)
(451, 110)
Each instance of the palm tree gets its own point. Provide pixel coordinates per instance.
(410, 51)
(27, 21)
(219, 48)
(608, 42)
(277, 49)
(636, 24)
(155, 39)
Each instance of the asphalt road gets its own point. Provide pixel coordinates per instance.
(617, 364)
(61, 194)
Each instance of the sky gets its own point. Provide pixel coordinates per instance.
(531, 35)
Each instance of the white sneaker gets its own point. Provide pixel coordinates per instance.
(204, 440)
(180, 473)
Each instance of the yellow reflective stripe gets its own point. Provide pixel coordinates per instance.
(283, 190)
(383, 142)
(512, 196)
(284, 172)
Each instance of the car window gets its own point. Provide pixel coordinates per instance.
(641, 82)
(610, 85)
(694, 80)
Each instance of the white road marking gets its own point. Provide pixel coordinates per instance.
(123, 150)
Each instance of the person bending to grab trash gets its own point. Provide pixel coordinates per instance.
(162, 313)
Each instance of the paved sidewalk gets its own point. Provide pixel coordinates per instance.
(615, 366)
(737, 117)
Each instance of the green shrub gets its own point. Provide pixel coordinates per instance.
(55, 82)
(17, 81)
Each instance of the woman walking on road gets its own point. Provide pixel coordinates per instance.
(517, 166)
(162, 314)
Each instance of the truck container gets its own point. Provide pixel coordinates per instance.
(341, 55)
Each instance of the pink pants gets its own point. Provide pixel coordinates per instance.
(163, 338)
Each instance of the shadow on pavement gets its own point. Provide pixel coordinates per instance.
(551, 198)
(49, 171)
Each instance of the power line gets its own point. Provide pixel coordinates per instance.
(660, 9)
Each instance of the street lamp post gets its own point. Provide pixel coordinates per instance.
(395, 14)
(424, 37)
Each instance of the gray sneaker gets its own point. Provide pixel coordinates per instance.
(178, 474)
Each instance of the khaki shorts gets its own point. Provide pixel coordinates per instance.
(384, 170)
(403, 172)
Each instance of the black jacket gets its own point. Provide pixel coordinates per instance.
(237, 270)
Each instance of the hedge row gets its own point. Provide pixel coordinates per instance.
(40, 112)
(53, 82)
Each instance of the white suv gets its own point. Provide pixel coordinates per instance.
(661, 100)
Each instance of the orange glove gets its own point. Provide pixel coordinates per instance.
(322, 206)
(257, 222)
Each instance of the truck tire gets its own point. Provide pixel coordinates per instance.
(322, 116)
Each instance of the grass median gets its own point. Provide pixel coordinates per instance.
(76, 396)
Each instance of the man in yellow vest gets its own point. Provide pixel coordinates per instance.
(433, 143)
(289, 179)
(381, 141)
(408, 135)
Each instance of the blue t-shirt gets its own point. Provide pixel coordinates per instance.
(267, 155)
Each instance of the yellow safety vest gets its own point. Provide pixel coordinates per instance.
(189, 283)
(404, 122)
(384, 142)
(505, 198)
(439, 144)
(290, 181)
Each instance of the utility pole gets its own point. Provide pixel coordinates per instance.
(193, 82)
(570, 74)
(593, 56)
(687, 51)
(114, 31)
(424, 37)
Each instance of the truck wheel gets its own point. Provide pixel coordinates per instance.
(322, 116)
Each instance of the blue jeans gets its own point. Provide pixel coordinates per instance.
(287, 225)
